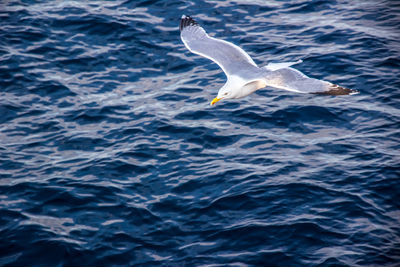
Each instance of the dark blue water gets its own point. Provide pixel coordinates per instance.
(110, 154)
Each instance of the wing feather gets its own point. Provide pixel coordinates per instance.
(228, 56)
(293, 80)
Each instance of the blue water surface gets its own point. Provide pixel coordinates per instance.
(110, 154)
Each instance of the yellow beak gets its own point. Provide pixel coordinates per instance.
(215, 100)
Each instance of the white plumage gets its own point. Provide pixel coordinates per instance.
(243, 75)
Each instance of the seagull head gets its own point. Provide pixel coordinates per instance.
(221, 96)
(226, 92)
(238, 89)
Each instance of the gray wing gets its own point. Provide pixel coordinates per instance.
(293, 80)
(228, 56)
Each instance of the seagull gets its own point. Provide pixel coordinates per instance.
(243, 75)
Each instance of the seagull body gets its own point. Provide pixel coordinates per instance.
(243, 75)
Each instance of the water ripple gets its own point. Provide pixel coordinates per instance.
(110, 153)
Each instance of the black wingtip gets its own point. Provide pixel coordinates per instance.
(186, 21)
(338, 90)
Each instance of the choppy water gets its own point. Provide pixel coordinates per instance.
(111, 155)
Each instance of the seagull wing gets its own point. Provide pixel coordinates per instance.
(228, 56)
(293, 80)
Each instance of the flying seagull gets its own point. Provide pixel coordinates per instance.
(243, 75)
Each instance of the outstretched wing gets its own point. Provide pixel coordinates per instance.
(228, 56)
(293, 80)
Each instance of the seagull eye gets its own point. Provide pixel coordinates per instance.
(226, 93)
